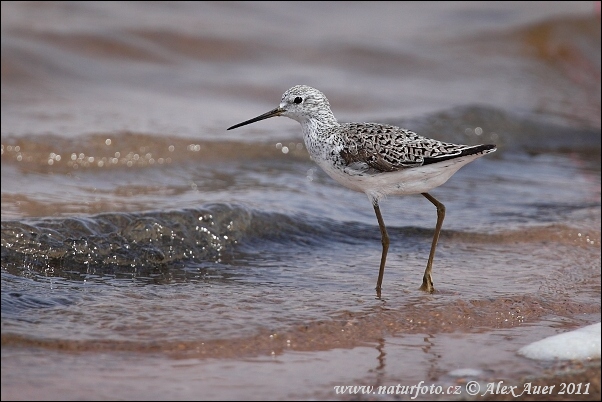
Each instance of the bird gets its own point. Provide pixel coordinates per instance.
(376, 159)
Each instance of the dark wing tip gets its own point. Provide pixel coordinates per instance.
(477, 149)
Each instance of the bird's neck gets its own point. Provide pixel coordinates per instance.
(320, 127)
(320, 137)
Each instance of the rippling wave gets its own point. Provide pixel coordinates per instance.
(469, 125)
(133, 244)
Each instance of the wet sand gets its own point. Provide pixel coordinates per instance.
(557, 380)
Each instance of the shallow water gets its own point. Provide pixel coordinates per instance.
(144, 245)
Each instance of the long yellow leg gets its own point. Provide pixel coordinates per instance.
(385, 242)
(427, 280)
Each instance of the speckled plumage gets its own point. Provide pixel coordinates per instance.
(377, 159)
(387, 148)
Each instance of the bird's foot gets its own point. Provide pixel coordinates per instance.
(427, 284)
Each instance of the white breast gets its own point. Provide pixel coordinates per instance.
(412, 180)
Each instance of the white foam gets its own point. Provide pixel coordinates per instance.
(580, 344)
(467, 372)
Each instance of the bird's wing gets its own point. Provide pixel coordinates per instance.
(387, 148)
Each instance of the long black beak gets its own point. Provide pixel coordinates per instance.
(271, 113)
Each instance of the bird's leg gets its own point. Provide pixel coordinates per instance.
(427, 280)
(385, 242)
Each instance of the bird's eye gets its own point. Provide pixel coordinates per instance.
(298, 100)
